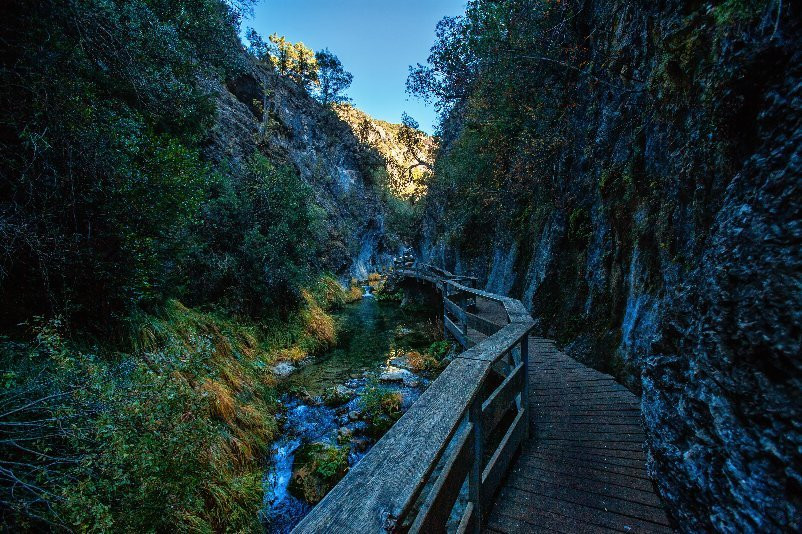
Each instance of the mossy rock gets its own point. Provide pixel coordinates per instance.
(338, 395)
(316, 470)
(381, 408)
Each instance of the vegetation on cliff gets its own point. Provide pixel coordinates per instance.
(627, 169)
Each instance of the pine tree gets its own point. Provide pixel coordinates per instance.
(333, 78)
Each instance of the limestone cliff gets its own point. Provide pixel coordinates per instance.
(260, 110)
(671, 256)
(407, 152)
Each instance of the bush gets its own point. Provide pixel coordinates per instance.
(255, 246)
(381, 408)
(317, 469)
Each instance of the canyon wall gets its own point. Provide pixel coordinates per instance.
(666, 248)
(261, 110)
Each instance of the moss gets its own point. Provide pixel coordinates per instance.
(738, 11)
(316, 470)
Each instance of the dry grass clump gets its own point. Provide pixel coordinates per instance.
(293, 355)
(222, 399)
(331, 291)
(418, 361)
(354, 294)
(318, 324)
(374, 277)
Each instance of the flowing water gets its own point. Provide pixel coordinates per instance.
(370, 333)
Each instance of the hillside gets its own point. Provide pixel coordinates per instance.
(408, 152)
(344, 172)
(176, 221)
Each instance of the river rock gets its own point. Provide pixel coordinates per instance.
(395, 374)
(354, 415)
(283, 369)
(402, 362)
(392, 374)
(360, 444)
(338, 395)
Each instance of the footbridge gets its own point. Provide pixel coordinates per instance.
(513, 436)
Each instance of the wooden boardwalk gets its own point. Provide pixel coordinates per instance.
(541, 442)
(583, 469)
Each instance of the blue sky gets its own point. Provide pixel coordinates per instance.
(377, 41)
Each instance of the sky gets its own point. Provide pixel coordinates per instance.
(376, 40)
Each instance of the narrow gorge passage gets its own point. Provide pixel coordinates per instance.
(400, 266)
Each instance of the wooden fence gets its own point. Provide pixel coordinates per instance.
(441, 464)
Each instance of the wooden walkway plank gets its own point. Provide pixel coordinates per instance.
(584, 469)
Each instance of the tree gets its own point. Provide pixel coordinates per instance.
(452, 65)
(257, 46)
(305, 69)
(282, 54)
(333, 78)
(294, 60)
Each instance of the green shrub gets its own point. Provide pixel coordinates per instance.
(170, 437)
(255, 245)
(317, 469)
(439, 349)
(381, 408)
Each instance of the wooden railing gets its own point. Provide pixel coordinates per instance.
(441, 464)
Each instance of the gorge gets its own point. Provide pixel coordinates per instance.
(188, 223)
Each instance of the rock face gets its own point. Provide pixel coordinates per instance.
(407, 152)
(677, 263)
(260, 110)
(722, 388)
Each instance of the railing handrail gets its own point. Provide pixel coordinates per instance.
(446, 428)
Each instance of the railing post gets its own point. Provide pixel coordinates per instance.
(475, 476)
(445, 310)
(464, 319)
(525, 391)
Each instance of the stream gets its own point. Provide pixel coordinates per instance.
(371, 337)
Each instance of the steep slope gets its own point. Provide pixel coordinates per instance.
(260, 110)
(630, 170)
(407, 152)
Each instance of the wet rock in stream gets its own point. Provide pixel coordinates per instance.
(320, 441)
